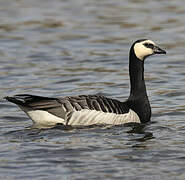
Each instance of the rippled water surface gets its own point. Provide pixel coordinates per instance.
(58, 48)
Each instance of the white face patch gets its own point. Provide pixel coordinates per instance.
(141, 51)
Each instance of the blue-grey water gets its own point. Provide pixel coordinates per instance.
(66, 47)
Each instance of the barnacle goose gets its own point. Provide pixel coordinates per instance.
(88, 110)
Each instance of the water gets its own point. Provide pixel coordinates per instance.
(58, 48)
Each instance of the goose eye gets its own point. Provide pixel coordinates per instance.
(148, 45)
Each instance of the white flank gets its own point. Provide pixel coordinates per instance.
(87, 117)
(40, 117)
(84, 117)
(142, 51)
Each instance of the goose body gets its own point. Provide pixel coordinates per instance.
(88, 110)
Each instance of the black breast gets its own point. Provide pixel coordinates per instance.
(142, 107)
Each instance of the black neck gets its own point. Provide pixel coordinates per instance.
(136, 71)
(138, 99)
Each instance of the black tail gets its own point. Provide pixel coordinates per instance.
(14, 100)
(25, 99)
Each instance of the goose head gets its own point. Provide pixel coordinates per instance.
(145, 47)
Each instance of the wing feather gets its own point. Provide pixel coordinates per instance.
(62, 107)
